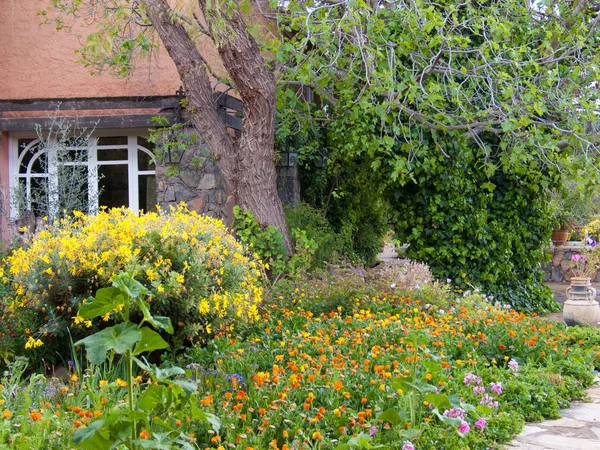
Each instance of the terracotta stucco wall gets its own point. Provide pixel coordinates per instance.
(4, 197)
(36, 61)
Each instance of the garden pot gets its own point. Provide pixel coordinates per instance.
(559, 237)
(581, 307)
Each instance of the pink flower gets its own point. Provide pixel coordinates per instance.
(480, 423)
(496, 388)
(576, 257)
(373, 431)
(407, 445)
(463, 427)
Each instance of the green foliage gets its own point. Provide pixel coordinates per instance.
(170, 141)
(129, 339)
(331, 246)
(464, 145)
(478, 230)
(267, 244)
(350, 196)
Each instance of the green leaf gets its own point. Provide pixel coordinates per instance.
(150, 341)
(107, 299)
(165, 374)
(153, 397)
(120, 338)
(438, 400)
(160, 322)
(89, 438)
(213, 420)
(188, 388)
(129, 285)
(391, 416)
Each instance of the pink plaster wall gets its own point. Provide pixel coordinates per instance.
(39, 62)
(4, 199)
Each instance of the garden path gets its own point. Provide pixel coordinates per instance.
(578, 428)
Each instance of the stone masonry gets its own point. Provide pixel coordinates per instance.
(559, 268)
(195, 181)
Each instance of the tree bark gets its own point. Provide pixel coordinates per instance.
(247, 162)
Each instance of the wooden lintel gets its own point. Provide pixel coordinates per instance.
(88, 122)
(91, 103)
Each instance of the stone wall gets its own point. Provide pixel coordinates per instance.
(195, 181)
(559, 268)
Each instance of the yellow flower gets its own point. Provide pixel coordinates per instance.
(88, 323)
(6, 414)
(204, 307)
(120, 383)
(33, 343)
(180, 278)
(78, 319)
(102, 383)
(106, 316)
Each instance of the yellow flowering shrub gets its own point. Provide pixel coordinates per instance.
(197, 273)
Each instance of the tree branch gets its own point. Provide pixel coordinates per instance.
(194, 74)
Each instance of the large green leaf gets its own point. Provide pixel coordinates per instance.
(160, 322)
(149, 342)
(107, 299)
(129, 285)
(391, 416)
(120, 338)
(154, 397)
(90, 438)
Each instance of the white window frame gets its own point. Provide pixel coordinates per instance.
(93, 200)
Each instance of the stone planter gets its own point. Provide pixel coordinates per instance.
(581, 307)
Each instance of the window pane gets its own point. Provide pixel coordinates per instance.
(112, 140)
(73, 188)
(112, 154)
(147, 193)
(40, 164)
(79, 155)
(40, 198)
(145, 161)
(113, 184)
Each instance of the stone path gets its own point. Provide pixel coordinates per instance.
(578, 429)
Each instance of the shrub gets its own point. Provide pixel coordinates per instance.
(331, 245)
(196, 272)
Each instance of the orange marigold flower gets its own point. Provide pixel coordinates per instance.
(144, 434)
(35, 415)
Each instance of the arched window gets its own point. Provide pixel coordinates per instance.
(108, 169)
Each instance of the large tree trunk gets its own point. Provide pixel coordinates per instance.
(247, 162)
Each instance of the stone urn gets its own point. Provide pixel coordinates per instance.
(581, 307)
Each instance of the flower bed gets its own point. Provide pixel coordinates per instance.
(427, 371)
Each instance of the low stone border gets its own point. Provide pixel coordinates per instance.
(559, 268)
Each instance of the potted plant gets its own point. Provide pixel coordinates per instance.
(581, 307)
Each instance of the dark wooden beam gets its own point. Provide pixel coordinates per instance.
(91, 103)
(224, 103)
(222, 100)
(89, 122)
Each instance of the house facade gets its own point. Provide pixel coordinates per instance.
(106, 153)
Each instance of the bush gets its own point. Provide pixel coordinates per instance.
(196, 272)
(331, 245)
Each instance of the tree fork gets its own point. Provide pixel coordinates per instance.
(247, 163)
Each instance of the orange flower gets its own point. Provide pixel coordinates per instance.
(144, 434)
(35, 415)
